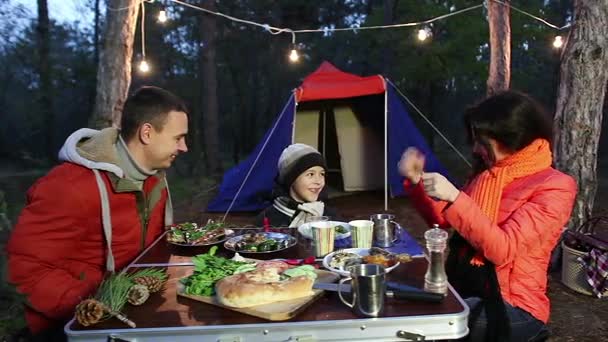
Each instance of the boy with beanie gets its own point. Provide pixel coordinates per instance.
(300, 181)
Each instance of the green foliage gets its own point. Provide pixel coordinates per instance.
(150, 272)
(208, 269)
(114, 291)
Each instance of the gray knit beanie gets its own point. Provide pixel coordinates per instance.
(296, 159)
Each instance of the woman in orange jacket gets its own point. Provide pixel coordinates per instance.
(507, 219)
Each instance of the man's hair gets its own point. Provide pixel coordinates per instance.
(148, 105)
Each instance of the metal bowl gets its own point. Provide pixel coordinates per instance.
(285, 241)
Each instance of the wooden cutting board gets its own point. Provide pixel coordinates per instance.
(277, 311)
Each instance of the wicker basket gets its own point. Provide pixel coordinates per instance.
(573, 272)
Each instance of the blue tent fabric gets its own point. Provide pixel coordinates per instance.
(263, 170)
(402, 133)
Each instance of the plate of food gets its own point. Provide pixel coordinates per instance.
(342, 230)
(338, 261)
(193, 234)
(266, 242)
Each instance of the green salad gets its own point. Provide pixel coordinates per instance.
(341, 230)
(208, 269)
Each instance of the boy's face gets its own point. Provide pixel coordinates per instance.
(308, 185)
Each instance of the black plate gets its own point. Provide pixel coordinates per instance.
(290, 241)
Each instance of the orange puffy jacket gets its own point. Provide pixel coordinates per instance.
(533, 211)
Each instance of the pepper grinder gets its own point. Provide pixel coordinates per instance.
(435, 279)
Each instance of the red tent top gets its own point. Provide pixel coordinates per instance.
(329, 82)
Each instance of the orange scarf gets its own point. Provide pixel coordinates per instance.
(487, 187)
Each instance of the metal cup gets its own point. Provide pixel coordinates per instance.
(385, 230)
(368, 288)
(362, 233)
(323, 234)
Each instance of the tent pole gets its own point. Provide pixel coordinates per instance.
(293, 122)
(385, 148)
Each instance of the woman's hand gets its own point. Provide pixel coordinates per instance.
(411, 164)
(436, 185)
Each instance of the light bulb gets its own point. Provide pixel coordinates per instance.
(423, 34)
(143, 66)
(558, 42)
(162, 16)
(293, 56)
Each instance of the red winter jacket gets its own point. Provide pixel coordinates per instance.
(57, 251)
(533, 211)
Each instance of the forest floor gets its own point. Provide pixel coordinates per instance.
(574, 317)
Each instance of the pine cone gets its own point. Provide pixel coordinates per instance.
(154, 284)
(138, 294)
(89, 312)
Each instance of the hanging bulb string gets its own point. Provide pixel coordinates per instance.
(271, 29)
(277, 30)
(531, 15)
(143, 34)
(415, 23)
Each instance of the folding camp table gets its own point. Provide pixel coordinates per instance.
(168, 317)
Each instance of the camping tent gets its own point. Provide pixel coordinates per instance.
(358, 123)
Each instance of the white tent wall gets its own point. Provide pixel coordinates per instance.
(360, 149)
(306, 128)
(361, 154)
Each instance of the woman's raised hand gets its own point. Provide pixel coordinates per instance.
(439, 187)
(411, 165)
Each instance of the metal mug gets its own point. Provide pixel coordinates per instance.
(386, 231)
(368, 284)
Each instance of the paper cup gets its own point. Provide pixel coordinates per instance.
(323, 234)
(362, 233)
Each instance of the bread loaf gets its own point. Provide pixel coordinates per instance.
(261, 286)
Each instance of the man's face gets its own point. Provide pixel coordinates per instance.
(165, 144)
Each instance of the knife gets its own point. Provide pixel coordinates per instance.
(413, 293)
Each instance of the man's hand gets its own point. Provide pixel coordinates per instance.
(411, 164)
(437, 186)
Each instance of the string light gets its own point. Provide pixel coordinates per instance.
(162, 16)
(144, 66)
(293, 55)
(424, 33)
(558, 42)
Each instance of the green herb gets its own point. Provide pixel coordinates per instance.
(208, 269)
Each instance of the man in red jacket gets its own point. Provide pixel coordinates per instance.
(96, 211)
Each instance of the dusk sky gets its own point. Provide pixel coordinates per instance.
(61, 10)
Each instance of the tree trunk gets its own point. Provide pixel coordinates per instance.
(92, 87)
(499, 77)
(208, 32)
(45, 98)
(96, 34)
(114, 69)
(580, 99)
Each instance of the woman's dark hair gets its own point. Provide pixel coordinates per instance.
(512, 118)
(148, 105)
